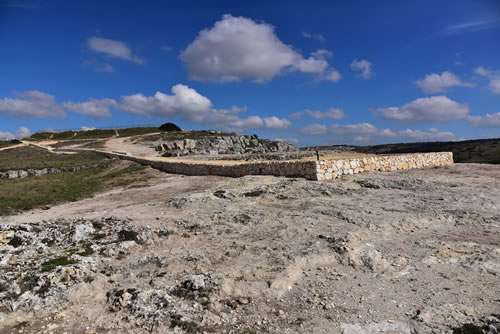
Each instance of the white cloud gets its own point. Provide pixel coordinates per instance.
(92, 107)
(495, 85)
(483, 72)
(238, 48)
(293, 141)
(494, 77)
(486, 121)
(296, 115)
(189, 105)
(113, 48)
(276, 123)
(86, 128)
(6, 135)
(470, 26)
(439, 83)
(22, 132)
(333, 75)
(31, 104)
(321, 53)
(364, 132)
(314, 130)
(426, 109)
(319, 37)
(364, 67)
(332, 113)
(184, 101)
(432, 135)
(361, 129)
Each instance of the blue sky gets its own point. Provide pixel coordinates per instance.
(315, 72)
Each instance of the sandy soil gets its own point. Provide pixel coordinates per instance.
(415, 251)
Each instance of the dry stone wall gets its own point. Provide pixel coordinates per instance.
(22, 173)
(331, 169)
(311, 170)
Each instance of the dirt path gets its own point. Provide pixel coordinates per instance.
(13, 146)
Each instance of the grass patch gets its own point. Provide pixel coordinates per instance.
(187, 325)
(31, 192)
(97, 133)
(54, 263)
(87, 251)
(43, 289)
(7, 143)
(181, 135)
(255, 193)
(125, 235)
(137, 131)
(367, 184)
(92, 134)
(98, 236)
(34, 157)
(468, 329)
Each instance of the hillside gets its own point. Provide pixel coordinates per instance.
(468, 151)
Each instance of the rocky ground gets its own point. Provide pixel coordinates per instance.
(415, 251)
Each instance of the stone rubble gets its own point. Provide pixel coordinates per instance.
(217, 144)
(22, 173)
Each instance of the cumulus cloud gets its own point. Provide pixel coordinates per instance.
(22, 132)
(494, 77)
(92, 107)
(333, 75)
(189, 105)
(238, 48)
(276, 123)
(486, 121)
(87, 128)
(439, 83)
(332, 113)
(293, 141)
(426, 109)
(31, 104)
(184, 101)
(6, 135)
(296, 115)
(318, 37)
(314, 130)
(364, 67)
(364, 132)
(109, 47)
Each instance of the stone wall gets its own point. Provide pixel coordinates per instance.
(330, 169)
(22, 173)
(311, 170)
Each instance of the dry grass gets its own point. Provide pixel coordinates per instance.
(34, 157)
(25, 194)
(7, 143)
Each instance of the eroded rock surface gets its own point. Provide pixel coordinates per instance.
(407, 252)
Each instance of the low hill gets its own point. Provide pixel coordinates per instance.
(468, 151)
(93, 134)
